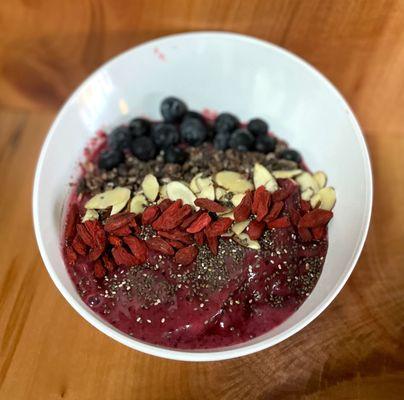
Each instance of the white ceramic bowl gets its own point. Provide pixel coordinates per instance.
(225, 72)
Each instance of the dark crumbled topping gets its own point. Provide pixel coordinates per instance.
(205, 159)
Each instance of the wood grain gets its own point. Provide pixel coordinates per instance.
(354, 350)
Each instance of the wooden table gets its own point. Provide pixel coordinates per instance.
(354, 350)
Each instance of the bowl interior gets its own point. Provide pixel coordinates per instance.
(222, 72)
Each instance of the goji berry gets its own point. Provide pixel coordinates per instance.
(188, 221)
(108, 264)
(137, 247)
(124, 231)
(150, 214)
(218, 227)
(98, 238)
(255, 229)
(71, 256)
(280, 195)
(294, 217)
(275, 211)
(84, 235)
(172, 217)
(118, 221)
(261, 202)
(319, 232)
(71, 221)
(287, 188)
(282, 222)
(184, 212)
(159, 245)
(99, 270)
(287, 184)
(95, 252)
(200, 223)
(209, 205)
(115, 241)
(186, 255)
(314, 218)
(123, 257)
(305, 205)
(79, 246)
(199, 238)
(176, 235)
(263, 206)
(293, 201)
(176, 244)
(174, 207)
(256, 196)
(243, 210)
(164, 205)
(305, 234)
(213, 244)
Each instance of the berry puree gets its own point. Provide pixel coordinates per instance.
(195, 233)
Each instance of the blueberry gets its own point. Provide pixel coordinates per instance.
(175, 155)
(221, 141)
(139, 127)
(119, 138)
(200, 117)
(265, 144)
(226, 122)
(173, 109)
(242, 140)
(194, 115)
(110, 159)
(143, 148)
(258, 127)
(193, 131)
(164, 135)
(291, 155)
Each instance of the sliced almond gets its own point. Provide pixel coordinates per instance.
(202, 183)
(118, 207)
(163, 192)
(224, 178)
(315, 200)
(194, 187)
(239, 227)
(138, 204)
(305, 181)
(150, 187)
(321, 178)
(245, 241)
(328, 198)
(227, 234)
(101, 201)
(241, 186)
(90, 215)
(220, 193)
(177, 190)
(236, 199)
(262, 177)
(228, 214)
(286, 174)
(208, 192)
(233, 181)
(307, 194)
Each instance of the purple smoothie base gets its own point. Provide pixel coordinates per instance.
(183, 322)
(261, 292)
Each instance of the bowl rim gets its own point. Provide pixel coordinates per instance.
(209, 354)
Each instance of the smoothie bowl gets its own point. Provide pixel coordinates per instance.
(201, 210)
